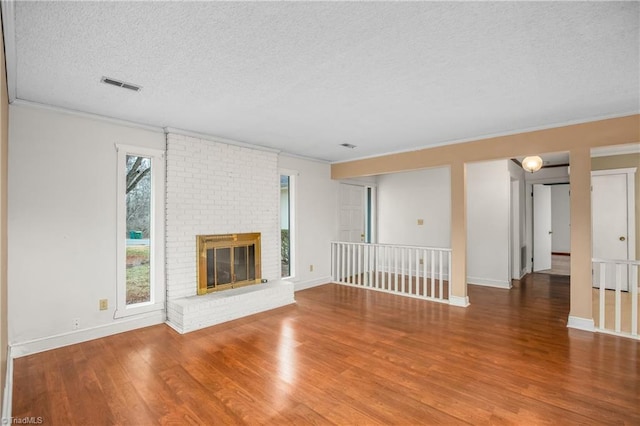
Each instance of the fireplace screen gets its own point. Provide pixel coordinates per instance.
(228, 261)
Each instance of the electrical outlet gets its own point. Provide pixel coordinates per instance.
(75, 323)
(310, 268)
(104, 304)
(420, 221)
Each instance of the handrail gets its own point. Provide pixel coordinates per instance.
(394, 245)
(617, 261)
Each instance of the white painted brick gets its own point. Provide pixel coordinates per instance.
(215, 188)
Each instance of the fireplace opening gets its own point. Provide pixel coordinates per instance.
(228, 261)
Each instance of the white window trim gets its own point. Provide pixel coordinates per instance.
(293, 177)
(157, 291)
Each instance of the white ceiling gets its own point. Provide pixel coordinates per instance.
(305, 77)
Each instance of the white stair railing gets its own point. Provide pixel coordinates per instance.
(420, 272)
(616, 282)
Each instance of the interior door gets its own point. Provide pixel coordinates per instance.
(541, 227)
(352, 213)
(610, 221)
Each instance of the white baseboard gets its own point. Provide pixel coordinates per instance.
(65, 339)
(487, 282)
(7, 398)
(519, 275)
(303, 285)
(460, 301)
(578, 323)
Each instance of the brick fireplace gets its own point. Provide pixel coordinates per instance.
(215, 188)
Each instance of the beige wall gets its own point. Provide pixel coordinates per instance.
(577, 139)
(4, 141)
(623, 162)
(613, 131)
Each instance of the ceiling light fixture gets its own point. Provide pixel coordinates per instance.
(532, 164)
(348, 145)
(118, 83)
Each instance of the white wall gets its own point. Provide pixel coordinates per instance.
(403, 198)
(316, 219)
(488, 223)
(560, 202)
(62, 224)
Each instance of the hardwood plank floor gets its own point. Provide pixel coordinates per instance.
(344, 355)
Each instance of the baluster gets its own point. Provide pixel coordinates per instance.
(331, 245)
(358, 262)
(341, 262)
(417, 278)
(350, 263)
(633, 272)
(370, 255)
(384, 262)
(449, 273)
(433, 273)
(603, 275)
(376, 262)
(395, 269)
(424, 273)
(618, 296)
(403, 268)
(440, 283)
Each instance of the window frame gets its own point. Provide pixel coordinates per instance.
(157, 219)
(293, 177)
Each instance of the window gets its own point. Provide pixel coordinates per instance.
(140, 239)
(287, 231)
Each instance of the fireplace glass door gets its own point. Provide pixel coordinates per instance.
(227, 261)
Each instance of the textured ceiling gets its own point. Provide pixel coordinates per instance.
(306, 77)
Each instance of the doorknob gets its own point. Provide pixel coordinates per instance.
(622, 238)
(550, 232)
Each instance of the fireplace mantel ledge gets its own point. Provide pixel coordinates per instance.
(195, 312)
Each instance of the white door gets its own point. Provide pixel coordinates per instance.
(351, 213)
(610, 222)
(541, 227)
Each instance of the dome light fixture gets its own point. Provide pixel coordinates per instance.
(532, 164)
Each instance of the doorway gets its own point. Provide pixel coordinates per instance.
(551, 228)
(357, 213)
(613, 219)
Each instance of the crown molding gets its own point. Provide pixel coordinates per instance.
(111, 120)
(607, 151)
(212, 138)
(302, 157)
(494, 135)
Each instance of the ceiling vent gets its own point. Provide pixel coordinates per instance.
(348, 145)
(118, 83)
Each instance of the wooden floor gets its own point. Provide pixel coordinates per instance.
(344, 355)
(560, 265)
